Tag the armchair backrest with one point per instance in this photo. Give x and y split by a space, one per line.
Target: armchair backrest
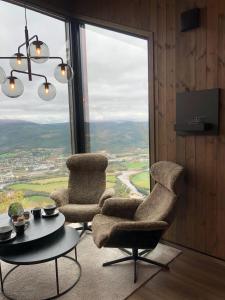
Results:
87 178
160 204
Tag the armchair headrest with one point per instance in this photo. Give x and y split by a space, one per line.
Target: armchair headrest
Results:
166 173
87 162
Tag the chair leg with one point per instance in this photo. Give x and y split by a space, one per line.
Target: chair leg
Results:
84 228
135 256
126 251
89 228
135 271
112 262
144 252
153 262
80 228
82 232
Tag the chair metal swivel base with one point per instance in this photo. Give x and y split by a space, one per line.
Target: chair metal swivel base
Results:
84 228
134 256
141 253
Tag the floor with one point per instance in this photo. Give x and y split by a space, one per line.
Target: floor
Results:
192 276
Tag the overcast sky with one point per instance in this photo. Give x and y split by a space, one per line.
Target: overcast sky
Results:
116 71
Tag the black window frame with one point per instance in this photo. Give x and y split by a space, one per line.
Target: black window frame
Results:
80 138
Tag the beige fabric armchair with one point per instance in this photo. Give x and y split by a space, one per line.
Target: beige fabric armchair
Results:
86 193
139 224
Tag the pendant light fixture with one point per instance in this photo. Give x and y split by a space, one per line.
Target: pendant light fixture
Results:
38 52
47 91
2 75
63 73
12 87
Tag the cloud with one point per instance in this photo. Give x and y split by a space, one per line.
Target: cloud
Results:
117 67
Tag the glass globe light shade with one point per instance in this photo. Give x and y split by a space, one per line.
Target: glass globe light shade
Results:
12 87
39 49
47 91
18 63
63 73
2 75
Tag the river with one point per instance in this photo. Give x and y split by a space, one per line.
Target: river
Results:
125 179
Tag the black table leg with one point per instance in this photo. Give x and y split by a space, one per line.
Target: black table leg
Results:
57 276
58 294
75 249
1 277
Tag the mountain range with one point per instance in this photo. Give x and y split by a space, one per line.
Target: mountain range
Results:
113 137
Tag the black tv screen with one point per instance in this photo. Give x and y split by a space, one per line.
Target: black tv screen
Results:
197 112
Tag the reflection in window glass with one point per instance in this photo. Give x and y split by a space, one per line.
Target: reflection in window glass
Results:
116 106
34 134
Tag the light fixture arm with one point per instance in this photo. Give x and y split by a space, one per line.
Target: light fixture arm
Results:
25 57
30 39
34 74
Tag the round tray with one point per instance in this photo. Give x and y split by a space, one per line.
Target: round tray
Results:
37 228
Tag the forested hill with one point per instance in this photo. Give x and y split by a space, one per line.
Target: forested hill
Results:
113 137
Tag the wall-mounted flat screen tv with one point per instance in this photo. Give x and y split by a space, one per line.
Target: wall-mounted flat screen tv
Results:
197 113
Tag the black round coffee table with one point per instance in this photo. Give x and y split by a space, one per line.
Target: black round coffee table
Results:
46 248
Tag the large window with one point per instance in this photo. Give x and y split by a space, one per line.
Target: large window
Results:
115 79
34 134
112 106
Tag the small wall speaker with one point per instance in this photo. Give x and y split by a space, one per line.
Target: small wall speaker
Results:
190 19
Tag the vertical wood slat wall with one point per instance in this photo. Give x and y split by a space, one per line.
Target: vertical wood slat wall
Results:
183 61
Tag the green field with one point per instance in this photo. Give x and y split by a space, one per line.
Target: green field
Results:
141 181
48 185
8 155
29 202
35 193
50 180
110 181
33 201
137 165
43 185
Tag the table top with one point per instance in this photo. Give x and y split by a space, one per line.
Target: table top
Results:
52 247
37 229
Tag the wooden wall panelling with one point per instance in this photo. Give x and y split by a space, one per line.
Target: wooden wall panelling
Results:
190 81
161 67
181 65
153 28
221 140
170 99
211 142
199 238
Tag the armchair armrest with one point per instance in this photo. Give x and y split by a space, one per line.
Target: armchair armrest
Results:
140 226
109 193
60 197
121 207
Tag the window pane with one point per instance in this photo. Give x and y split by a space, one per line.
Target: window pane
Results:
115 68
34 134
